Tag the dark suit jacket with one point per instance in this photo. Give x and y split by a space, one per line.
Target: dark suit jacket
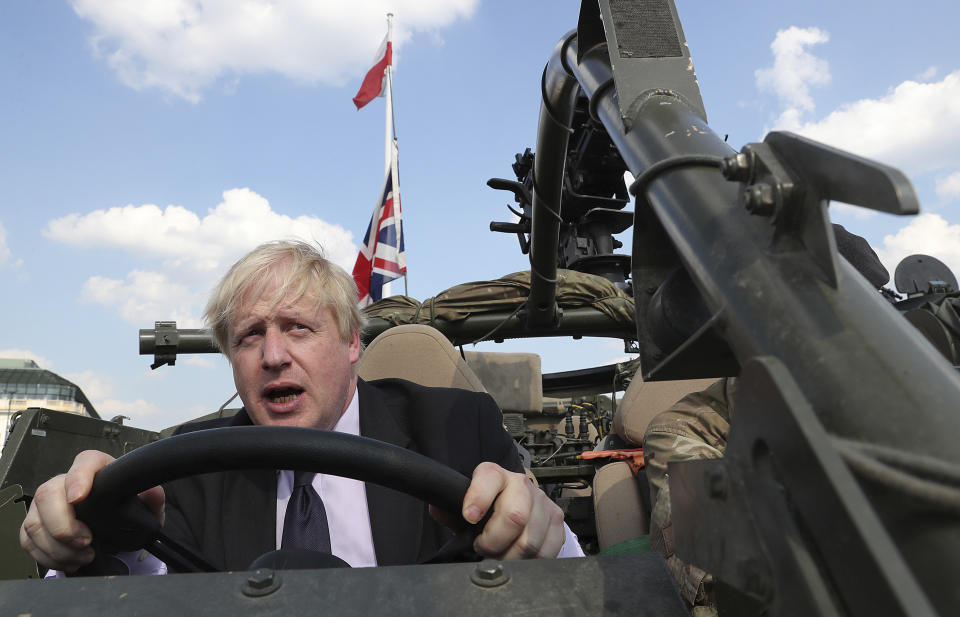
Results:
230 517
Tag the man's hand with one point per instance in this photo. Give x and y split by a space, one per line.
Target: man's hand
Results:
525 524
51 533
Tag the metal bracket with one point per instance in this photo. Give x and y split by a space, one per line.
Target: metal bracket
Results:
647 46
167 343
792 179
782 518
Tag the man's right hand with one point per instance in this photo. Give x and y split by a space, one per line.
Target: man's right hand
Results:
51 533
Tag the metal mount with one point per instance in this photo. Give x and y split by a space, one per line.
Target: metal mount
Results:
167 342
792 179
782 519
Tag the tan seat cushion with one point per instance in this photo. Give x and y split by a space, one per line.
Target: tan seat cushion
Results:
645 399
420 354
616 501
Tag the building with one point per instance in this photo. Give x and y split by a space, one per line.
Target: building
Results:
23 384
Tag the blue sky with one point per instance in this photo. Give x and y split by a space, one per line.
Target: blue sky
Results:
144 146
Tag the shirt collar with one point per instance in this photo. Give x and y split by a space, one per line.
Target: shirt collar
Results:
349 422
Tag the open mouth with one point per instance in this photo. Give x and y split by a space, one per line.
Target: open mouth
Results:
283 395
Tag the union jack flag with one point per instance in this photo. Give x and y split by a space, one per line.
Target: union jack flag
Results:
381 257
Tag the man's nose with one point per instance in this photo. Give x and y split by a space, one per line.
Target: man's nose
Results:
275 352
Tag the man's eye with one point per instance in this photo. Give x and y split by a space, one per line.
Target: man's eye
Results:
299 326
253 332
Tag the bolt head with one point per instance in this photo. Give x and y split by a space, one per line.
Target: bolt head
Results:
260 579
737 167
489 573
489 570
262 582
759 199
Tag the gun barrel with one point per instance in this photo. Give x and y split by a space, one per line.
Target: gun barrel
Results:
184 340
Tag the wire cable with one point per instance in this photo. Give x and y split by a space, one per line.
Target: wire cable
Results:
501 324
857 456
688 160
546 104
928 467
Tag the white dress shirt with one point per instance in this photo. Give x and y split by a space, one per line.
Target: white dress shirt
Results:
344 499
348 515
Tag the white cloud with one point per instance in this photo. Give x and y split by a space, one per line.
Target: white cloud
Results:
928 234
913 127
146 297
928 74
185 46
23 354
240 222
794 71
93 385
949 186
100 391
193 250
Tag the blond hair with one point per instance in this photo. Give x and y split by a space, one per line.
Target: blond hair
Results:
295 270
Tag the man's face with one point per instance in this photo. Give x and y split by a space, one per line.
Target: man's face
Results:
289 364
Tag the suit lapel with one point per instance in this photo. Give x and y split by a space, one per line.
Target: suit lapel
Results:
249 523
390 510
250 510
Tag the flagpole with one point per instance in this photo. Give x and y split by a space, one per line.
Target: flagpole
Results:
388 130
388 133
391 141
398 205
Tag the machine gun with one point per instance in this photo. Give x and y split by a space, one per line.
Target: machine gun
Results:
838 492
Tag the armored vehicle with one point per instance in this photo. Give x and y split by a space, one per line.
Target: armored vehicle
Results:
838 493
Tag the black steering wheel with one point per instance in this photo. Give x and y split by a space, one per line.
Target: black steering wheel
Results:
121 522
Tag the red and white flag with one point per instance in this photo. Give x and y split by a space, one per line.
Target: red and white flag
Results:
374 84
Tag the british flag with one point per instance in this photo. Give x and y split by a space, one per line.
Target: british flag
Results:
381 257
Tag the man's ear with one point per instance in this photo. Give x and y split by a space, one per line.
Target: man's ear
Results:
355 347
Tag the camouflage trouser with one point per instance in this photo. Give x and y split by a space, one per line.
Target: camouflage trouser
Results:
695 427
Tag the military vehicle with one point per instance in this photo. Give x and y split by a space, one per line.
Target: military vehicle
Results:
838 493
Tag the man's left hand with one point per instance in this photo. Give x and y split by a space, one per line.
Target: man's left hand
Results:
525 524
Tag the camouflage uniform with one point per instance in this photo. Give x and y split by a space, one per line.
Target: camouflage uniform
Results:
695 427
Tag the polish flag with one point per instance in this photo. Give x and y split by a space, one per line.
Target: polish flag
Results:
374 84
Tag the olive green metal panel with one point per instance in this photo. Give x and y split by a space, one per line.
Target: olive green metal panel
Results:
14 563
44 442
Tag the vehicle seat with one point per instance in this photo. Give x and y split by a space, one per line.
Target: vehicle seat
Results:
643 400
420 354
423 355
621 500
514 380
